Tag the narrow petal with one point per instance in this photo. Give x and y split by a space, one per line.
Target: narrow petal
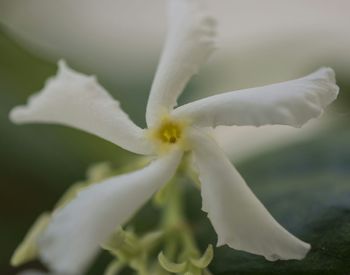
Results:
73 237
288 103
77 100
189 42
239 218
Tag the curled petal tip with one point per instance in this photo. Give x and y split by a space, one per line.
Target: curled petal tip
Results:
62 63
64 70
299 255
17 115
63 67
304 251
326 73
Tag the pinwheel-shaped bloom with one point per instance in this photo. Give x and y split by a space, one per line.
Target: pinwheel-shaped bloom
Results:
75 232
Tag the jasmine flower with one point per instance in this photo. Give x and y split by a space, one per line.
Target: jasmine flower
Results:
74 234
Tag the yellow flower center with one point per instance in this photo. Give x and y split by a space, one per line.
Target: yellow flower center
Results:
169 132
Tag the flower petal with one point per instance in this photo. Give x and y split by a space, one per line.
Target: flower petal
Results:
288 103
189 42
77 100
239 218
73 237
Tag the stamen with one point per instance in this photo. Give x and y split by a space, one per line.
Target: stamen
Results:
169 132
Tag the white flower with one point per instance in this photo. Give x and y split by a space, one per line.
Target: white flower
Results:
75 232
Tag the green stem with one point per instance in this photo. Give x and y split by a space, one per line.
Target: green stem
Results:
175 224
172 219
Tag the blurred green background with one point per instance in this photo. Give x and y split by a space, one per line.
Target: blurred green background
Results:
304 184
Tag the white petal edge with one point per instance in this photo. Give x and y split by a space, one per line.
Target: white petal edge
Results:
77 100
73 237
189 42
287 103
238 217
